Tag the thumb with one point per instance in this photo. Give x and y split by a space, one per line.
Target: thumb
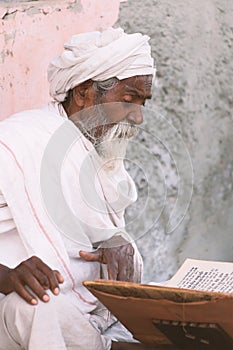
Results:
95 256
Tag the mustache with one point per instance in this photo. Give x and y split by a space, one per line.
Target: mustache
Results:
122 130
90 121
110 132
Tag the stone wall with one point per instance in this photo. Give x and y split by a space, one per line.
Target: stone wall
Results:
192 45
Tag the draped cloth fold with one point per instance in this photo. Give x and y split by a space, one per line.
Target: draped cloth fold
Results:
23 141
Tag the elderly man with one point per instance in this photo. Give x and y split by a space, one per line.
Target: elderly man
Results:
98 85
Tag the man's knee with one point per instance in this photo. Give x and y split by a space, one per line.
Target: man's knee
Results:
19 317
16 308
13 305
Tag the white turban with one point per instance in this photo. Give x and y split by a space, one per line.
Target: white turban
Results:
99 56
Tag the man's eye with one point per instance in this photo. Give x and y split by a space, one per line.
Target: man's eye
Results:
128 99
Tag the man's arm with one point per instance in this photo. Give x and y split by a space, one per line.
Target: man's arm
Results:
32 273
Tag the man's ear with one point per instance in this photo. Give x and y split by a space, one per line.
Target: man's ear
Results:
80 93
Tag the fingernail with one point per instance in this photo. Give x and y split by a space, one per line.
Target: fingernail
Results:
45 297
34 301
62 279
56 291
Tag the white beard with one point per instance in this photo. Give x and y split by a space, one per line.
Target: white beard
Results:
112 146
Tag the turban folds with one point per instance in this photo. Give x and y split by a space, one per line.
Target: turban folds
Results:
99 56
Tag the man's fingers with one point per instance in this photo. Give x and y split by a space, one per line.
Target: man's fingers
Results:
126 271
119 260
126 264
95 256
53 280
42 278
35 286
112 268
53 277
59 276
24 293
35 274
31 278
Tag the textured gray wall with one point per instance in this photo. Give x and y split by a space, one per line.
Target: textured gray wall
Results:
192 45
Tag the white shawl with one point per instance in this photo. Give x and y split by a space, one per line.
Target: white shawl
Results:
23 140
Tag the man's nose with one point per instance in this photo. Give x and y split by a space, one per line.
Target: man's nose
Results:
135 116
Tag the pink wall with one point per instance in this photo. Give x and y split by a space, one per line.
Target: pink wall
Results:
34 32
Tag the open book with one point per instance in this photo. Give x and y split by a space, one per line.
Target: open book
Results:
194 310
203 275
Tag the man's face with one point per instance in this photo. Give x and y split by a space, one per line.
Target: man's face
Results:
132 93
121 103
110 117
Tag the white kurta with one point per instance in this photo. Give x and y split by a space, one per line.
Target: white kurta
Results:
26 227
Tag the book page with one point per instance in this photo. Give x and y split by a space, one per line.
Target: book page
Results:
212 276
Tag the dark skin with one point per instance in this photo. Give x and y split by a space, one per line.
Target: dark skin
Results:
33 272
133 91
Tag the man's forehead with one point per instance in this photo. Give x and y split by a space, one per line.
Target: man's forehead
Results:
138 80
139 84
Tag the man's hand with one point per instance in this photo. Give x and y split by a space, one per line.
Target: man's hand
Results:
118 254
36 275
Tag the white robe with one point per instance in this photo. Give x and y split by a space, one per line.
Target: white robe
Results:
24 138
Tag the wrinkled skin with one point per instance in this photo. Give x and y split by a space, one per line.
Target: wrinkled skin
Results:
118 254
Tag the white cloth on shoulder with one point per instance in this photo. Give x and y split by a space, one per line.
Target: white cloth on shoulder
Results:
25 223
23 140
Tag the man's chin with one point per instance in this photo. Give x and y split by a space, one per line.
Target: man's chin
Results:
111 166
112 153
